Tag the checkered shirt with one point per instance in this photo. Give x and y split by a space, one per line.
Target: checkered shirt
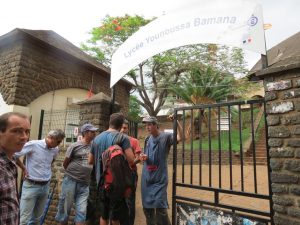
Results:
9 203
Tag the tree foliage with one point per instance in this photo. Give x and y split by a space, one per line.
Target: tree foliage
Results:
204 86
134 109
154 77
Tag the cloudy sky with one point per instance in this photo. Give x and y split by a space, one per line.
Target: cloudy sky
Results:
73 19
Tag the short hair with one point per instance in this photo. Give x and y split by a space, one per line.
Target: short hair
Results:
5 117
57 133
126 122
116 121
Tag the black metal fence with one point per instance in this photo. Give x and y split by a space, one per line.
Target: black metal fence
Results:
222 165
67 120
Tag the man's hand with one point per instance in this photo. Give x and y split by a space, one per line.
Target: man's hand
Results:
25 174
171 117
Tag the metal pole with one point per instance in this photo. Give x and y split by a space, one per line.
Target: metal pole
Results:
112 99
41 124
264 58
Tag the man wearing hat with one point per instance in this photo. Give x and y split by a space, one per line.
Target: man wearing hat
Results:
155 172
75 185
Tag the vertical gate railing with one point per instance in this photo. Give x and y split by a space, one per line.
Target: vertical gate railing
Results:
66 120
223 163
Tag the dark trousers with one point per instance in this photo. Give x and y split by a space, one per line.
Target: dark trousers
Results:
131 202
157 216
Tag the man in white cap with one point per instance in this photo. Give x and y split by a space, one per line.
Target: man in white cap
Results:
75 185
155 172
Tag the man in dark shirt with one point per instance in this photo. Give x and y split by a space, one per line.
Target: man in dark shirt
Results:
113 210
75 185
14 133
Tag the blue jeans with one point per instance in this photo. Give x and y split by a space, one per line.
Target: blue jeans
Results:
71 191
33 200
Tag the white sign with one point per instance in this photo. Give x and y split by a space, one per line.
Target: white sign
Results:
224 123
75 131
236 23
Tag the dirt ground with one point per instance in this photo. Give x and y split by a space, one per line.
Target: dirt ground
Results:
262 187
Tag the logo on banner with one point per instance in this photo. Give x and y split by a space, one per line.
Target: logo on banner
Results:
252 21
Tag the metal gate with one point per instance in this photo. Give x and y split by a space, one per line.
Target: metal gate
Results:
221 170
67 120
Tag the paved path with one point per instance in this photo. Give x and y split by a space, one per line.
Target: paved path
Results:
262 187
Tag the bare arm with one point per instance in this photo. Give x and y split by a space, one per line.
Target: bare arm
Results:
66 162
179 132
22 166
180 135
129 156
91 159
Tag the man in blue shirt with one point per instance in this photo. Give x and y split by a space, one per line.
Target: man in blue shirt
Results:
40 155
111 209
155 173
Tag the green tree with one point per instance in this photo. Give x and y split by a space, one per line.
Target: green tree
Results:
204 86
153 77
134 109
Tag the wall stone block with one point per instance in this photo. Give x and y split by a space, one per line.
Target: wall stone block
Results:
276 164
297 83
296 130
279 85
291 94
295 189
282 152
275 142
284 178
291 119
271 95
293 211
284 201
284 220
293 142
292 165
297 105
273 120
279 189
278 131
280 209
297 152
279 107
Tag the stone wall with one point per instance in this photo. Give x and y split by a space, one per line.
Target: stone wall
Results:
283 118
9 68
29 69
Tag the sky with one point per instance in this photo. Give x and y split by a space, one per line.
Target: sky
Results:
73 19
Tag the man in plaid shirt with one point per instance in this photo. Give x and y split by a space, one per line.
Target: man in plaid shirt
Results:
14 133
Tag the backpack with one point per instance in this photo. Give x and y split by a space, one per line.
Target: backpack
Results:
116 177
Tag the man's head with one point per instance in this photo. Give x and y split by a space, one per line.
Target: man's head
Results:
54 138
116 121
125 127
151 124
88 131
14 132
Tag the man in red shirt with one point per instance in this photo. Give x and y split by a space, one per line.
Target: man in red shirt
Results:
135 145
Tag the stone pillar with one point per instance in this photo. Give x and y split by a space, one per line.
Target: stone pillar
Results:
282 92
95 110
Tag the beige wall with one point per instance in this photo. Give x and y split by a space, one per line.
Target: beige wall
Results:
54 100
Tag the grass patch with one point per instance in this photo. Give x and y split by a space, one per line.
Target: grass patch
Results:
224 142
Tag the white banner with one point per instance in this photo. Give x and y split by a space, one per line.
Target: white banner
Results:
239 24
